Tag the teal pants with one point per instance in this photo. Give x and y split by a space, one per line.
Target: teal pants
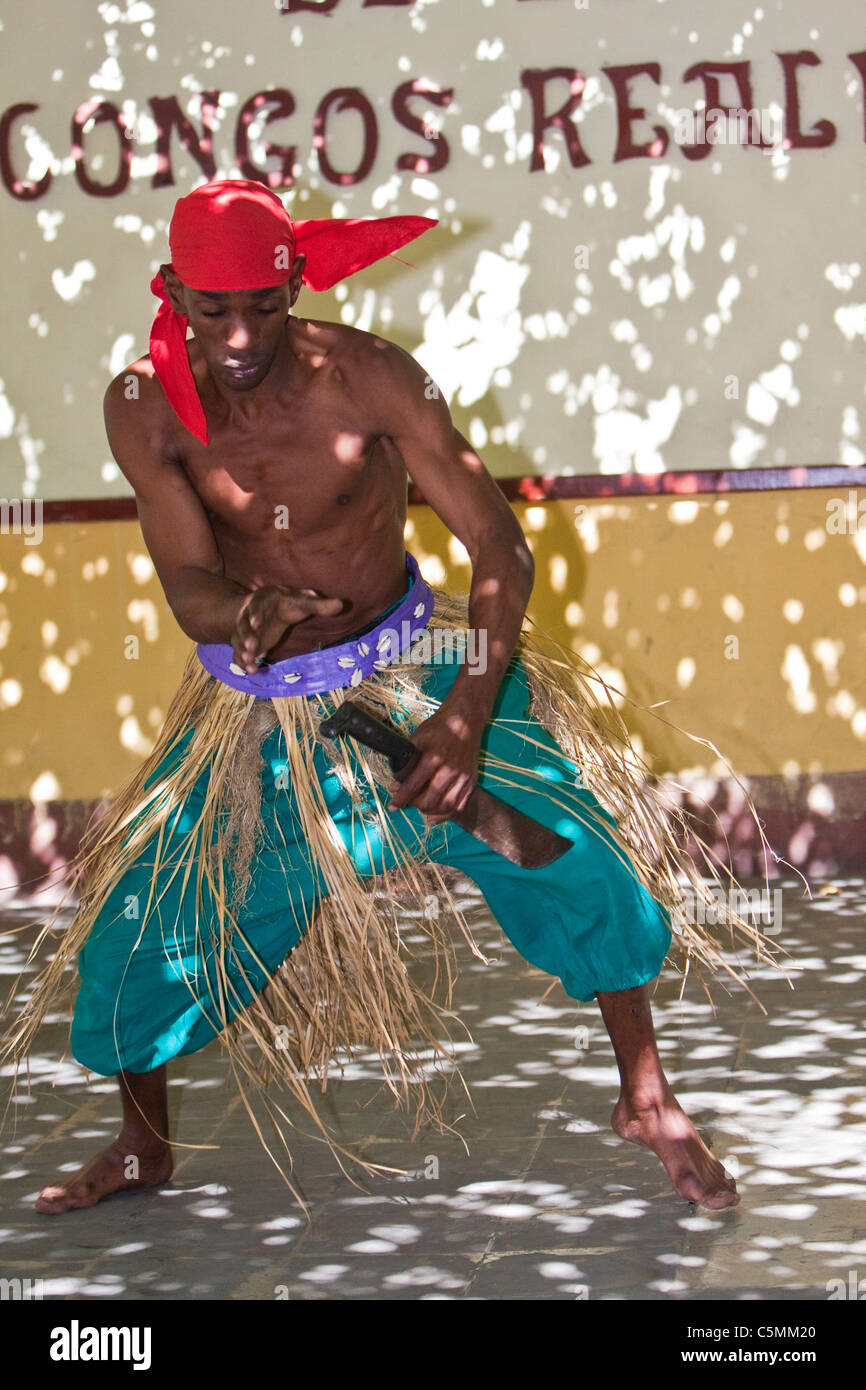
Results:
147 985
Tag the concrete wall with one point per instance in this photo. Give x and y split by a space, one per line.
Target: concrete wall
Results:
601 295
742 613
598 298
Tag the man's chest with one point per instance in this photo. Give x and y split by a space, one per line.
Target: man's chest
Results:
299 474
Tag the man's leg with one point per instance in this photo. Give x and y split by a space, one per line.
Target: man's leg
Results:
648 1112
586 919
558 919
139 1157
158 981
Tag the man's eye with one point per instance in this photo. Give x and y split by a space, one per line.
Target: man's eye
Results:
218 313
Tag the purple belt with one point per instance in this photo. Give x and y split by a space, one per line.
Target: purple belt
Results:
329 668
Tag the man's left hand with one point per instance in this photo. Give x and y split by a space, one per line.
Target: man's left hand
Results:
445 775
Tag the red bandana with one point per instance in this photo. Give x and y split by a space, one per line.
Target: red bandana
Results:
236 234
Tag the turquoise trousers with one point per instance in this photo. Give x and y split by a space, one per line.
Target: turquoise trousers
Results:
147 983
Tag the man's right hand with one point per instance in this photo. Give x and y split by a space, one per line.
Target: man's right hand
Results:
266 615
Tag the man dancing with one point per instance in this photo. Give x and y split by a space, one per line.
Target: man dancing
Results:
269 457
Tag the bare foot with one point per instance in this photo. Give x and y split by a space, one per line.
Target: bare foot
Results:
663 1126
119 1168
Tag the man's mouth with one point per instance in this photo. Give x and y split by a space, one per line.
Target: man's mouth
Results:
242 370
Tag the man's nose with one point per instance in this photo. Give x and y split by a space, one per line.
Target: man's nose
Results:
239 335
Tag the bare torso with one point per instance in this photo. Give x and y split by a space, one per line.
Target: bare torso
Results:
309 493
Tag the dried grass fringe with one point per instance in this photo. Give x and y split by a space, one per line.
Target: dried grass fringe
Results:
347 986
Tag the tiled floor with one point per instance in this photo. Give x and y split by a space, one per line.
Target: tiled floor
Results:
546 1204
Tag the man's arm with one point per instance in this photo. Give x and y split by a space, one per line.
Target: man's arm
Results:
463 494
460 490
173 521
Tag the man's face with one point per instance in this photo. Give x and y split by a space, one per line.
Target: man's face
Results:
239 332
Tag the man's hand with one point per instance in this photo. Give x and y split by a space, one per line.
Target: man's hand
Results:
445 775
266 615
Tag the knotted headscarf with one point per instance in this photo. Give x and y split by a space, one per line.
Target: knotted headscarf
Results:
235 234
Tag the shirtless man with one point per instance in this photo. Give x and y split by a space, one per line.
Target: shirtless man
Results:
327 421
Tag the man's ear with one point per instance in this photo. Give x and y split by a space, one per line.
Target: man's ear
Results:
295 283
173 288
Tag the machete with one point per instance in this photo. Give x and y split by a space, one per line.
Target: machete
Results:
505 829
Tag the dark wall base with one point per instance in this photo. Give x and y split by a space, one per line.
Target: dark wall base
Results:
816 823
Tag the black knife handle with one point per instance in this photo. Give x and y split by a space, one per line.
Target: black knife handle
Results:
356 721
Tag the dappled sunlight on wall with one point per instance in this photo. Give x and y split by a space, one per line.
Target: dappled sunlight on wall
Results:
729 610
599 295
90 657
742 613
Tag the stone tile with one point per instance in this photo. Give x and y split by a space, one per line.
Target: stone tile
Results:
547 1203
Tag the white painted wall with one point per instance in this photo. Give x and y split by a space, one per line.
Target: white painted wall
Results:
715 319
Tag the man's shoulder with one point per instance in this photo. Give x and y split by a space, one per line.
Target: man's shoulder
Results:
370 363
136 381
349 345
135 404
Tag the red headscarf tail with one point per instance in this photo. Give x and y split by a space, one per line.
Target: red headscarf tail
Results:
339 246
235 234
169 357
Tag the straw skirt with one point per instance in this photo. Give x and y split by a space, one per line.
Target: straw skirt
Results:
249 883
